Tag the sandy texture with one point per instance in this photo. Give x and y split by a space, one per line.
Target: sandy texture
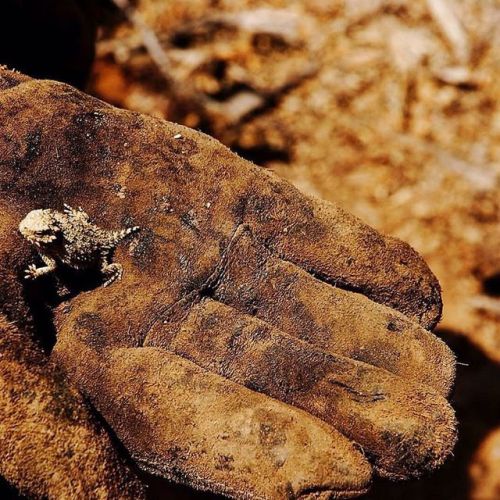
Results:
484 470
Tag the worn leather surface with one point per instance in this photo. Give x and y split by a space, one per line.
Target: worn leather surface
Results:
262 344
50 444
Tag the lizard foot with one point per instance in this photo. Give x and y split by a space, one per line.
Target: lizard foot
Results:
31 272
112 272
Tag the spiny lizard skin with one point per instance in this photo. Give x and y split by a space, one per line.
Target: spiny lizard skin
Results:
69 238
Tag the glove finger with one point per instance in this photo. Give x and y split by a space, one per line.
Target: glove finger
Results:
338 248
406 428
186 424
337 321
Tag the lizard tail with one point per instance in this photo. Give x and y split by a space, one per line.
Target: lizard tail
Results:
124 233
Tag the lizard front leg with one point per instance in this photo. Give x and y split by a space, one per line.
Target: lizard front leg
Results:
32 272
111 272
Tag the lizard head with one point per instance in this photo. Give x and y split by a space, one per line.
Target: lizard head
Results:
40 227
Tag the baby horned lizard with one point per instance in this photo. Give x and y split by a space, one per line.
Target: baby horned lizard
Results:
69 238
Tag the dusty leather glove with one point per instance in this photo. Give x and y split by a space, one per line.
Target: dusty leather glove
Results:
261 344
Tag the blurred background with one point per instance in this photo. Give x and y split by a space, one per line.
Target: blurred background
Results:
390 108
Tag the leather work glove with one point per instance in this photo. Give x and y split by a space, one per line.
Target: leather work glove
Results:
260 344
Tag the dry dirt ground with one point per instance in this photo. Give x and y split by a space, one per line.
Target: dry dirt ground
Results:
390 108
